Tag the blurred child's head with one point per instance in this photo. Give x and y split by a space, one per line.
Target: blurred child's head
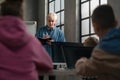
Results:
90 42
12 8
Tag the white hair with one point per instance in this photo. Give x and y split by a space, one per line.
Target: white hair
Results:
52 15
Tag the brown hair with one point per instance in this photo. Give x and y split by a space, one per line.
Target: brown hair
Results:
12 7
104 16
90 42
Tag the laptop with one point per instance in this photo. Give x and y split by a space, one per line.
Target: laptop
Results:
57 50
58 54
73 53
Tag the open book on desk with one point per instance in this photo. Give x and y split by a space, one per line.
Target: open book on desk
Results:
44 40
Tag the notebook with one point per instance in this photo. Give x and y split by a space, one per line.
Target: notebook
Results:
43 41
73 53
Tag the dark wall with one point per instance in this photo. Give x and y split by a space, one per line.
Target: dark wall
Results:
116 7
35 10
31 10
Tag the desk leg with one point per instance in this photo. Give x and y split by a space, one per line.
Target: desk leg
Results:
41 77
52 78
46 77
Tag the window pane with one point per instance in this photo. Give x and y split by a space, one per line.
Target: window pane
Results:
94 4
58 19
62 28
103 1
62 4
85 10
85 27
51 7
92 29
62 17
83 0
57 5
50 0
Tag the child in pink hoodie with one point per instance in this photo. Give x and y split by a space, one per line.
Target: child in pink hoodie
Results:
21 54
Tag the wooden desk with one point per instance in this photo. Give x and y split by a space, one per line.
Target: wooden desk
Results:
60 73
65 75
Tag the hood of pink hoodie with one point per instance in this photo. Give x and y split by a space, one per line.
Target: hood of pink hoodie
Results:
13 32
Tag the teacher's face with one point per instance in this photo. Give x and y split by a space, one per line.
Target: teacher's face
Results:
51 22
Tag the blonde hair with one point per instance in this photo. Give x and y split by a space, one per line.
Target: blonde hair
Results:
90 42
52 15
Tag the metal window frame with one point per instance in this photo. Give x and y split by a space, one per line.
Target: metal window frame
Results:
81 19
60 11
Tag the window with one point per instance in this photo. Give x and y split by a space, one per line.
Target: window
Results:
58 7
87 7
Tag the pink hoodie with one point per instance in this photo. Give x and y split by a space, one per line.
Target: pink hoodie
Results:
21 54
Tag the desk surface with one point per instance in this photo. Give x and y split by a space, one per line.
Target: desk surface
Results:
60 72
68 73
